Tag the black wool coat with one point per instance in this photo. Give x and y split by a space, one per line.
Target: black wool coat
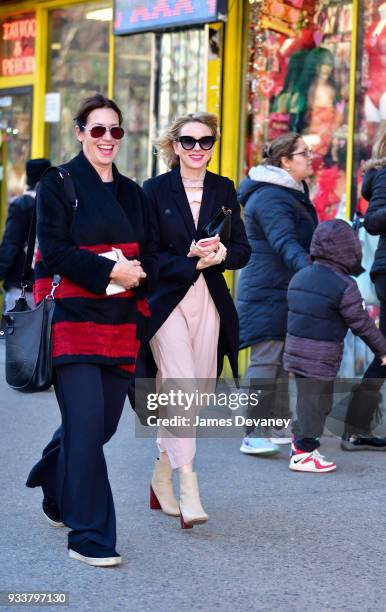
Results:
90 326
374 191
280 222
175 230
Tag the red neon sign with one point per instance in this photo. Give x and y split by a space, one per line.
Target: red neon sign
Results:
17 46
16 30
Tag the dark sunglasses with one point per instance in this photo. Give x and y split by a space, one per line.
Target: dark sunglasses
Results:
188 142
97 131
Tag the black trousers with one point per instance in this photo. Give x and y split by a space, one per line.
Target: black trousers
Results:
366 399
314 403
72 471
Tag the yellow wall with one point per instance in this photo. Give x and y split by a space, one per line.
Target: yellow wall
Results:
39 80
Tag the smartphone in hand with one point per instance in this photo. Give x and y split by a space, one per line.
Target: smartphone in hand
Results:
205 242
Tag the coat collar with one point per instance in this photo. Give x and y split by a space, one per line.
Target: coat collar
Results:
83 168
207 204
83 172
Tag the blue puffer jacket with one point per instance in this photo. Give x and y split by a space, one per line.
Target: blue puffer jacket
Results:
280 221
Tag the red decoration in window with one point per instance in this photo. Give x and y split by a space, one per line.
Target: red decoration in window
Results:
17 51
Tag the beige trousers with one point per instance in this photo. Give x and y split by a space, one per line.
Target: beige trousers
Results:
185 350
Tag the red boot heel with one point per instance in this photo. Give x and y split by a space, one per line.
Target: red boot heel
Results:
154 503
183 524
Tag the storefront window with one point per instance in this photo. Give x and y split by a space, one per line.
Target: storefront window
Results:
15 128
298 80
79 67
182 62
132 91
157 77
371 86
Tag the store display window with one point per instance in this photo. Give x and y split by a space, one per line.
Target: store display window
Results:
182 60
133 81
371 90
79 62
157 77
298 80
15 127
181 88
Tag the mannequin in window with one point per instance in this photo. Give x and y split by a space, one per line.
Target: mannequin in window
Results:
289 102
375 99
319 95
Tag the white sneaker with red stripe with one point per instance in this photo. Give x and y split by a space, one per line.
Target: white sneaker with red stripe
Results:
310 462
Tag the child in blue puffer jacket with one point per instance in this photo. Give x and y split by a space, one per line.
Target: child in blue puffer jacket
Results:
324 302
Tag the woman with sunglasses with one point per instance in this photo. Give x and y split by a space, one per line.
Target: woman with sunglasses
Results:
280 221
104 253
194 321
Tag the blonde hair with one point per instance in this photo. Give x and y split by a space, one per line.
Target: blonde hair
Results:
164 143
378 159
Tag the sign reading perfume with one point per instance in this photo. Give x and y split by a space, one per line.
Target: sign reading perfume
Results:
131 16
17 45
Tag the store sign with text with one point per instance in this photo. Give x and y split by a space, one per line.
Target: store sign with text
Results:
17 45
131 16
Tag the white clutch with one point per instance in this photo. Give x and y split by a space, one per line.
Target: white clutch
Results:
112 288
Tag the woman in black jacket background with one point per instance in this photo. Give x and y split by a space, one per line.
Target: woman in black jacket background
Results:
280 220
15 237
364 408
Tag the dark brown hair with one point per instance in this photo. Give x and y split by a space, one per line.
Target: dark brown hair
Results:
282 146
93 102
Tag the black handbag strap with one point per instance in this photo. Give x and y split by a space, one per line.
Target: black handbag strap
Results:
69 190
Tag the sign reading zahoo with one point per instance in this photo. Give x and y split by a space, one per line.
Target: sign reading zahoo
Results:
131 16
17 45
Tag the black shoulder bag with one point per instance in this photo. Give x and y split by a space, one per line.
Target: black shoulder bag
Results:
28 352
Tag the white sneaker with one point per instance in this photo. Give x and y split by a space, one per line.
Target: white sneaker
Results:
94 554
258 446
310 462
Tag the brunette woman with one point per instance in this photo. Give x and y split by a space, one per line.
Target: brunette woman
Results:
96 324
280 221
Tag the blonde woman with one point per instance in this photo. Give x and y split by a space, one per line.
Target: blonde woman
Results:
194 321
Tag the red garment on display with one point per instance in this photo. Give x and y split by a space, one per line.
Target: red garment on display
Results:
375 43
287 47
323 122
326 200
278 124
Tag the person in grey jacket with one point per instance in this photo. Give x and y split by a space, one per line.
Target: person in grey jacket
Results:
324 302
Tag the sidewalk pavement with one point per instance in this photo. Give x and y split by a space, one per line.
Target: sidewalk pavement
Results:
276 541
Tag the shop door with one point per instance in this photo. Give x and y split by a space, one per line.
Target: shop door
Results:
16 128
